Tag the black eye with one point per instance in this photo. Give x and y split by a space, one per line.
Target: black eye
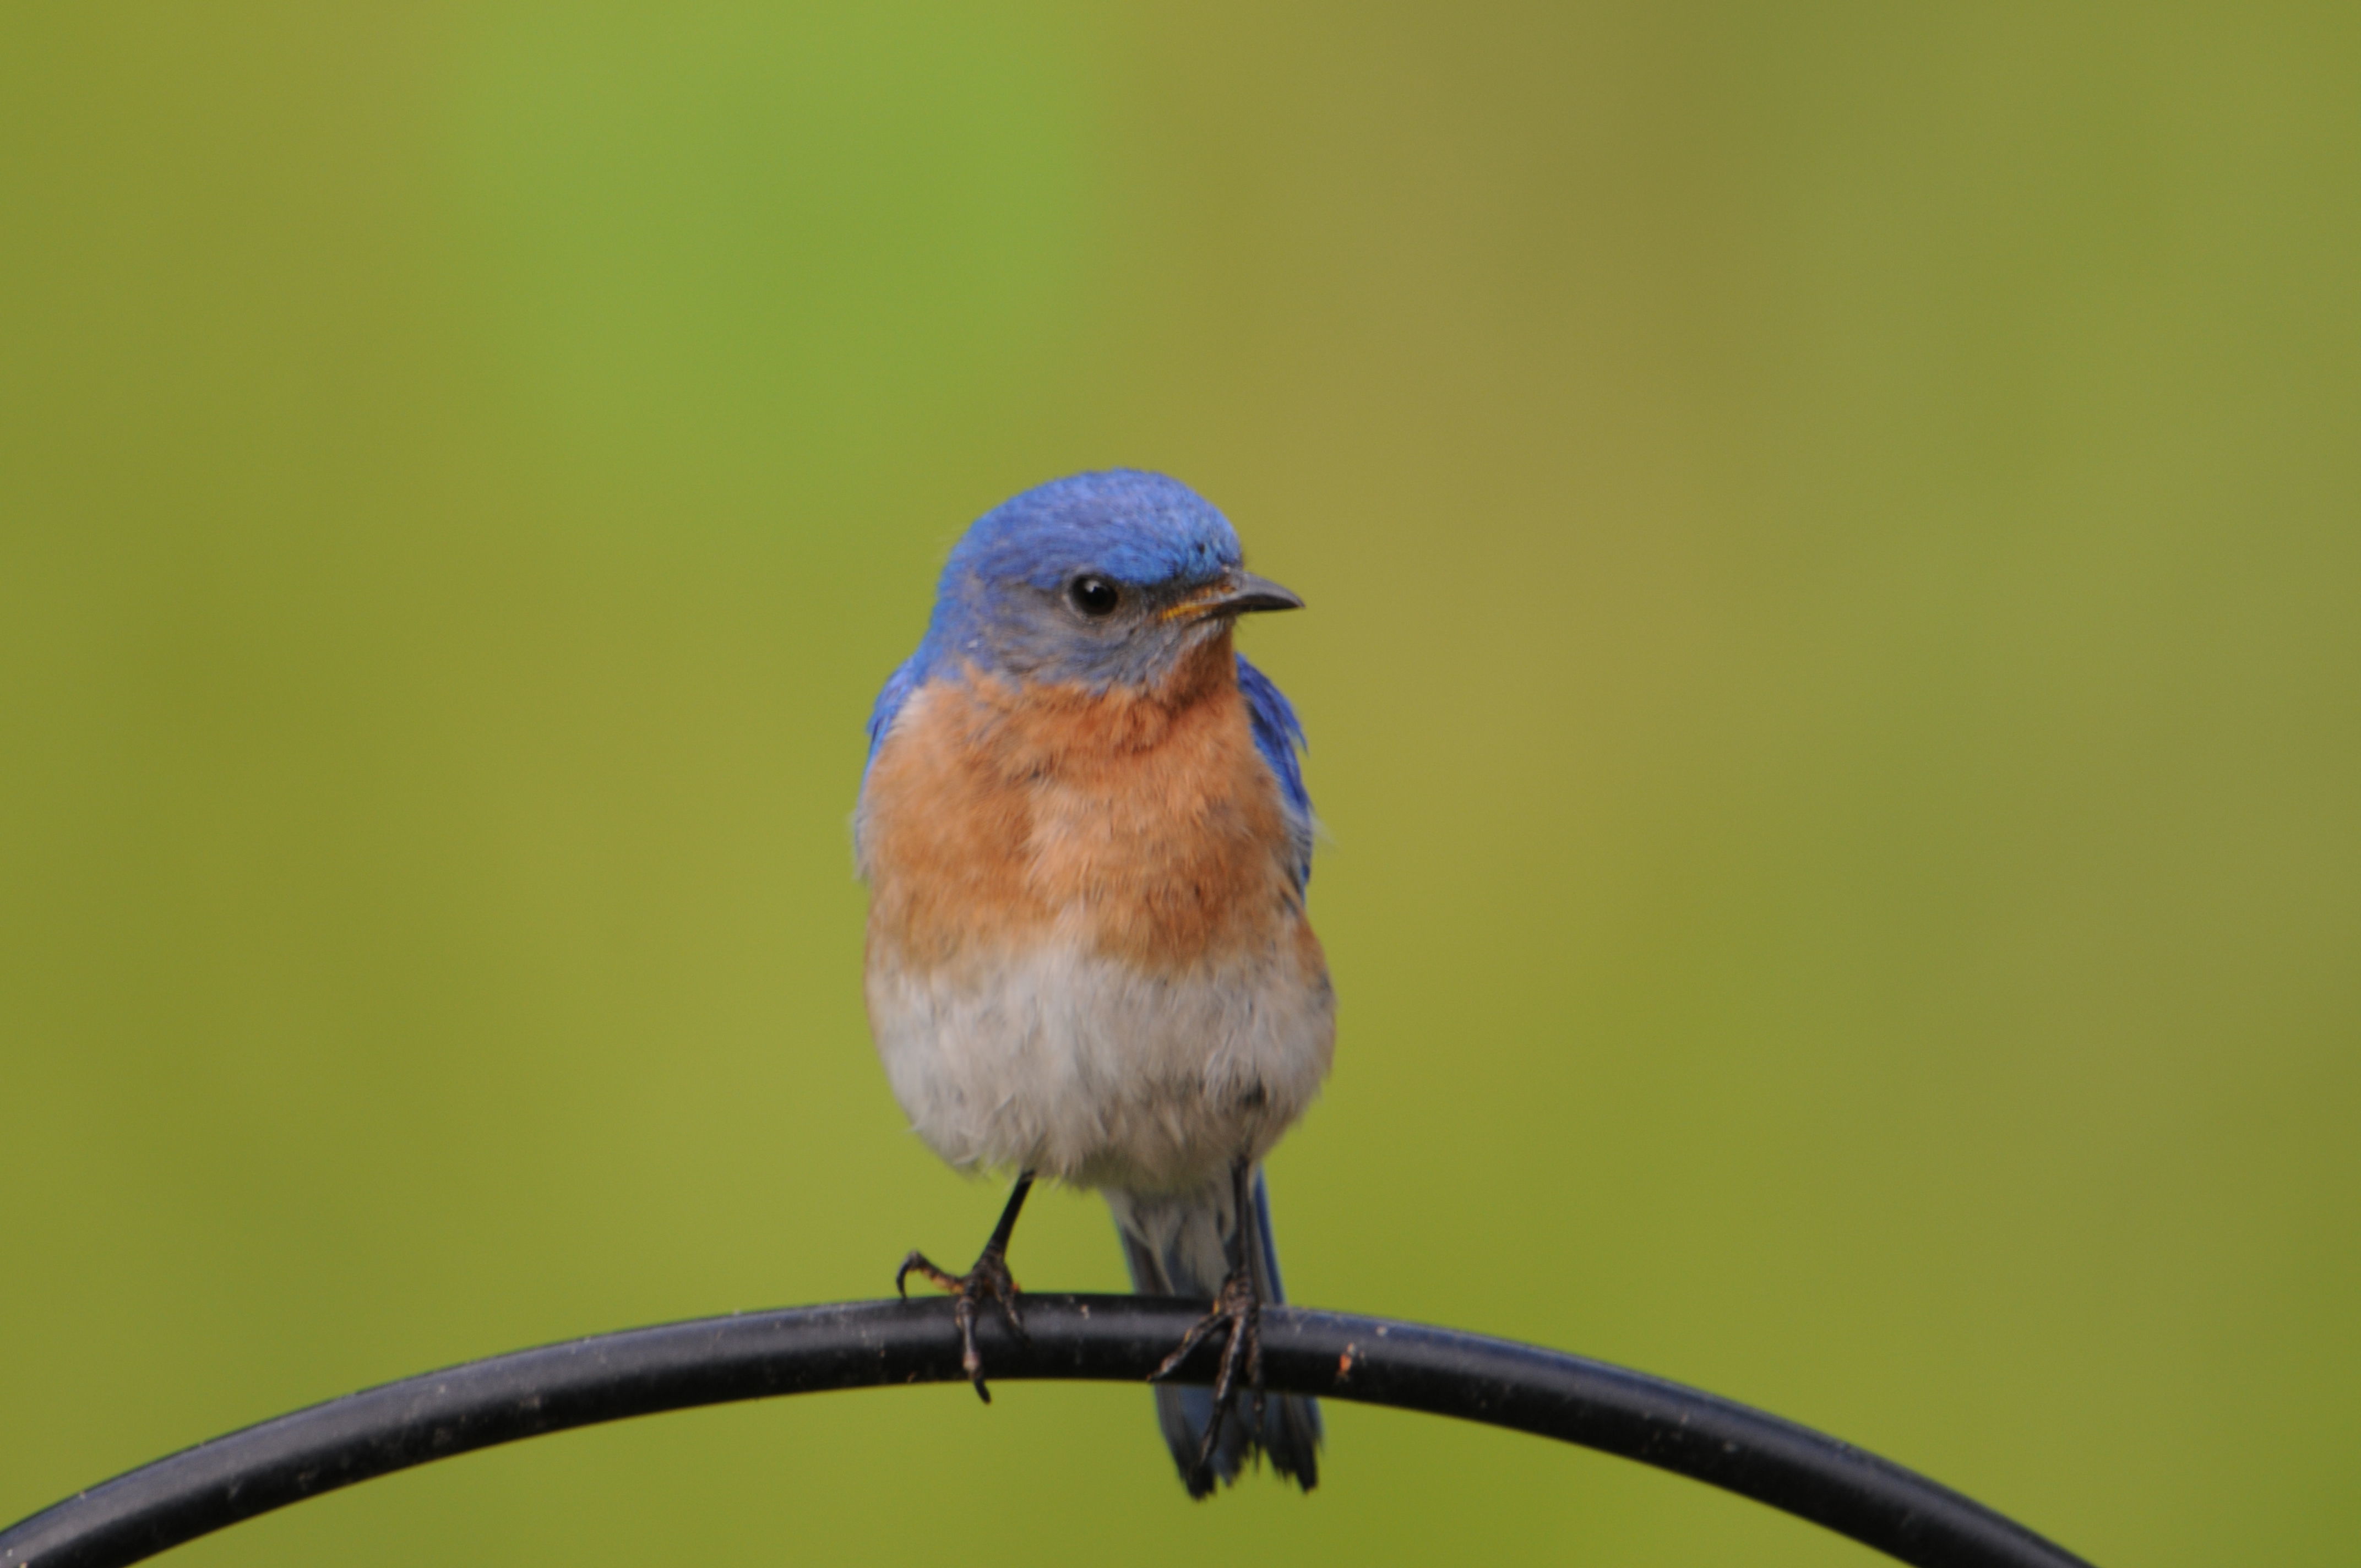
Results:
1094 597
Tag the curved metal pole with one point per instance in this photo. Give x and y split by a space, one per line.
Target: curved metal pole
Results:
1110 1338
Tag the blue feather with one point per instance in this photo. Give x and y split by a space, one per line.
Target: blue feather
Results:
1135 527
1279 736
895 692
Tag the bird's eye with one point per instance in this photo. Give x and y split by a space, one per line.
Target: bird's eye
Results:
1094 597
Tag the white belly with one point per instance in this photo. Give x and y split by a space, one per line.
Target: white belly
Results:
1082 1068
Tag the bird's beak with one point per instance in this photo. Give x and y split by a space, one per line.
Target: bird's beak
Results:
1240 593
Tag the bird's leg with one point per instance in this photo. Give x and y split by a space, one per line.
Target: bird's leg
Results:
989 1279
1237 1308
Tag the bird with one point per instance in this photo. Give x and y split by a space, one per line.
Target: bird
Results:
1087 840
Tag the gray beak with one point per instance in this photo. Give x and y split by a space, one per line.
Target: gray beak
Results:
1241 593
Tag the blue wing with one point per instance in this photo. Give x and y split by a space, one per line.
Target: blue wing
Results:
1279 736
897 690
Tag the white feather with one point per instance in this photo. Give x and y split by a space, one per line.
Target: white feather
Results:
1081 1066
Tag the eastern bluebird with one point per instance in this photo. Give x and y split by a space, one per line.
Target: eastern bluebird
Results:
1086 837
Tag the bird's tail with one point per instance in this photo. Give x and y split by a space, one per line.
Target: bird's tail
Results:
1179 1246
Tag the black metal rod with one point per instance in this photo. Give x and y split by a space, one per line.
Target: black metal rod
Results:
1109 1338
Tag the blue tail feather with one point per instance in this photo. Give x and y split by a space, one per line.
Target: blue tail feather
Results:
1179 1247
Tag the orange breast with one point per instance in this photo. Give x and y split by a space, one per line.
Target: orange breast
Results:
1144 825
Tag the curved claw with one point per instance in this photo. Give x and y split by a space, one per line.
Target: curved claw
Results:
988 1277
1238 1309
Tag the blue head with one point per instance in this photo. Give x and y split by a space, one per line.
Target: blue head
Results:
1099 580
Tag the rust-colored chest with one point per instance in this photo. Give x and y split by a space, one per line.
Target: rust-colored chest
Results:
1144 825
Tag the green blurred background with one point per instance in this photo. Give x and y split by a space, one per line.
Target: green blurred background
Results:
1834 539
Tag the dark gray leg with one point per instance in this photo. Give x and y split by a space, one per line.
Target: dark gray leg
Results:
989 1279
1237 1308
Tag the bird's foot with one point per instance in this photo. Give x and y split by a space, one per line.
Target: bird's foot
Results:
988 1280
1238 1309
